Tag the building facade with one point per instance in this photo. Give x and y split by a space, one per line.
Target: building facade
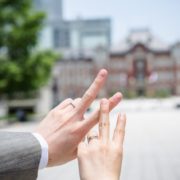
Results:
71 37
75 36
141 64
53 9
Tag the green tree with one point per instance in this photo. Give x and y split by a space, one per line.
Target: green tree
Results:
22 68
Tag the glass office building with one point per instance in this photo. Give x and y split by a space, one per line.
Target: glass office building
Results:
70 36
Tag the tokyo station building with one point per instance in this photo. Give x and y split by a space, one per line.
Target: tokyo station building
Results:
141 64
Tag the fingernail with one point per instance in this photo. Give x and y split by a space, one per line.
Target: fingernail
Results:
104 101
103 72
118 95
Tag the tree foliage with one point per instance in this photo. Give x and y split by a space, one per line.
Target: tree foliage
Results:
22 68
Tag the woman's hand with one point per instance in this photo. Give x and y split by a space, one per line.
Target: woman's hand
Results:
63 128
101 158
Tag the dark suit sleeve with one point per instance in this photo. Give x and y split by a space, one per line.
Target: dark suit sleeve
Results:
20 155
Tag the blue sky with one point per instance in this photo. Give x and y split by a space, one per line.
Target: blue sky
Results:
162 17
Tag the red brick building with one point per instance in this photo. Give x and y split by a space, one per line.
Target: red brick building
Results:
141 64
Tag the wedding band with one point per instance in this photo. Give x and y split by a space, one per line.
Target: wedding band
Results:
72 105
92 137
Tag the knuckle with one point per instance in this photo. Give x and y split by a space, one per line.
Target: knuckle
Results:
68 100
76 131
73 116
103 124
118 149
81 153
120 131
78 99
94 149
88 96
104 147
56 113
77 112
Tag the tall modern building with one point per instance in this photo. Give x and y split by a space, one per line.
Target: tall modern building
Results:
82 33
52 8
72 36
54 16
77 37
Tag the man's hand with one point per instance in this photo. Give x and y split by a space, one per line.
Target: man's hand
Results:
64 128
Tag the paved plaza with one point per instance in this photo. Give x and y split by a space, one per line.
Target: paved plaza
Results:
152 143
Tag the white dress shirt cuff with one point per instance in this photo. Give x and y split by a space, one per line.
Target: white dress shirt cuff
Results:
44 151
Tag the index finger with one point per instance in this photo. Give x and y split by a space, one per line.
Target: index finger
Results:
92 92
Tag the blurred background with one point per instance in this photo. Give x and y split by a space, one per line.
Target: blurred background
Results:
51 50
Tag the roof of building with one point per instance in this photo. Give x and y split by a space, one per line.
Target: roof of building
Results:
141 36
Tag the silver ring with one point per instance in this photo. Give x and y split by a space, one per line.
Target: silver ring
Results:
72 105
92 137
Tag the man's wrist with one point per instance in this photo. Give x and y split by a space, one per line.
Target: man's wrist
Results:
44 150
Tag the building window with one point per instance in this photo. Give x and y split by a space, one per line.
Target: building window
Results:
140 69
56 38
64 38
61 38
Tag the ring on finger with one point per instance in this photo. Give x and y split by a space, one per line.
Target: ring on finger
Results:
71 103
89 138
